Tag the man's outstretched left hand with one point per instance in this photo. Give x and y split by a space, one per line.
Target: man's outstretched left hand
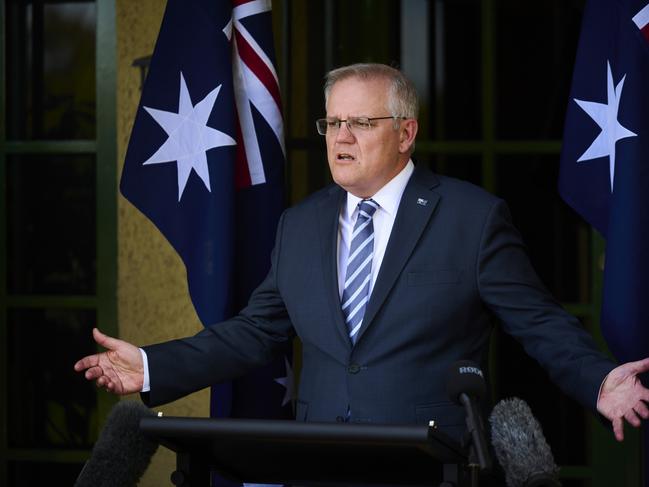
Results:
623 396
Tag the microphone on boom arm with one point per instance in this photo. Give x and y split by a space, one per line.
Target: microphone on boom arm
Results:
466 386
122 453
520 446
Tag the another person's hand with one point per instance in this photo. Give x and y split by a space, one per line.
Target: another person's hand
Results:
119 369
624 397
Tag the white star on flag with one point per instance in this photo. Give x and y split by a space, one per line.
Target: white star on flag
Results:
287 382
605 115
189 136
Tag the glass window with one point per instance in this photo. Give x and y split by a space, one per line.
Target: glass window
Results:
557 239
465 167
535 55
50 73
41 473
459 89
366 31
51 229
50 405
576 483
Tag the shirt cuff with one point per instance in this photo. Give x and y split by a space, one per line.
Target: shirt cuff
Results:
599 393
146 386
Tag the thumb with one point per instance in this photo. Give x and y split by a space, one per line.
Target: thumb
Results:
642 365
104 340
638 367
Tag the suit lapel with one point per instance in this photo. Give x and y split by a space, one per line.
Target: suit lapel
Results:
417 205
328 221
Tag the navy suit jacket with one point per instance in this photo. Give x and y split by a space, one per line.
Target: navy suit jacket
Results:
453 263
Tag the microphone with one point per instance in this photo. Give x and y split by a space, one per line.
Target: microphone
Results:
520 446
122 453
465 385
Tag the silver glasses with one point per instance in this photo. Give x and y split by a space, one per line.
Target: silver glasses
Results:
332 125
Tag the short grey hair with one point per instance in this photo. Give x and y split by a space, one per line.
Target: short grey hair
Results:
402 95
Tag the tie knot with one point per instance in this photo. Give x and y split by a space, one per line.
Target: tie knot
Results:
367 208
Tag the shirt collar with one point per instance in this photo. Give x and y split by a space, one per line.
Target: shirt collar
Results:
389 196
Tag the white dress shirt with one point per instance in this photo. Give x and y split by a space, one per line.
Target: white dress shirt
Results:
388 199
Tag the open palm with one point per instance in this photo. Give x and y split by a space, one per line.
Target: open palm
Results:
623 397
119 369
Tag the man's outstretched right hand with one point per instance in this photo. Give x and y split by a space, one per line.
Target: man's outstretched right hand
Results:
119 369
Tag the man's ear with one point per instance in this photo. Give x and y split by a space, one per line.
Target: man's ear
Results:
407 134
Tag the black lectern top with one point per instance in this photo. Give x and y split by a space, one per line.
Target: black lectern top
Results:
274 451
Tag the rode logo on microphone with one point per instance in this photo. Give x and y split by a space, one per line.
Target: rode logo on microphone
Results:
471 370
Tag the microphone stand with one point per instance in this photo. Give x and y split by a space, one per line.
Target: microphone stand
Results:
479 457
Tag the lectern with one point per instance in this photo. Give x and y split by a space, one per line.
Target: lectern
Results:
308 454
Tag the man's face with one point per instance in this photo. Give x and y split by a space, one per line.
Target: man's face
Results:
363 161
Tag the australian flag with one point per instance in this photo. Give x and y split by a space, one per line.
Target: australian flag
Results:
205 164
605 161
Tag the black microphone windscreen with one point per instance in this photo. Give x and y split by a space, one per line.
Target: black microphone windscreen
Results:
122 453
464 376
520 446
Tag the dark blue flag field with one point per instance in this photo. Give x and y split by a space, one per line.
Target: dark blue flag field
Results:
605 163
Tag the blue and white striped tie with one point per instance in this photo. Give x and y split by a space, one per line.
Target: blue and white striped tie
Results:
359 268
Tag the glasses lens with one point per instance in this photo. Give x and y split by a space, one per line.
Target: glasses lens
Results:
325 125
362 123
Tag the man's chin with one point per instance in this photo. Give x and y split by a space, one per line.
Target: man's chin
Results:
345 181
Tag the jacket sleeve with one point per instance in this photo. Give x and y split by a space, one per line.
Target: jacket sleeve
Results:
226 350
511 289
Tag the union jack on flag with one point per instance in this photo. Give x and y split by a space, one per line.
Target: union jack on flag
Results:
255 84
641 20
205 164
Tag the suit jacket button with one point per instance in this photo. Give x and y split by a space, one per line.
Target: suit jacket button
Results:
354 369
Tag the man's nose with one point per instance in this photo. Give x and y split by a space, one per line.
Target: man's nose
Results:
344 133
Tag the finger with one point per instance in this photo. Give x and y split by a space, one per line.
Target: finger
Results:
632 418
640 366
641 410
618 429
644 364
86 362
104 340
644 394
94 373
108 384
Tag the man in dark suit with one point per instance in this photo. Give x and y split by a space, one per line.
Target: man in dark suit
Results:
387 277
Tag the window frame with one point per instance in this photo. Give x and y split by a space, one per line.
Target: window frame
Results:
104 301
